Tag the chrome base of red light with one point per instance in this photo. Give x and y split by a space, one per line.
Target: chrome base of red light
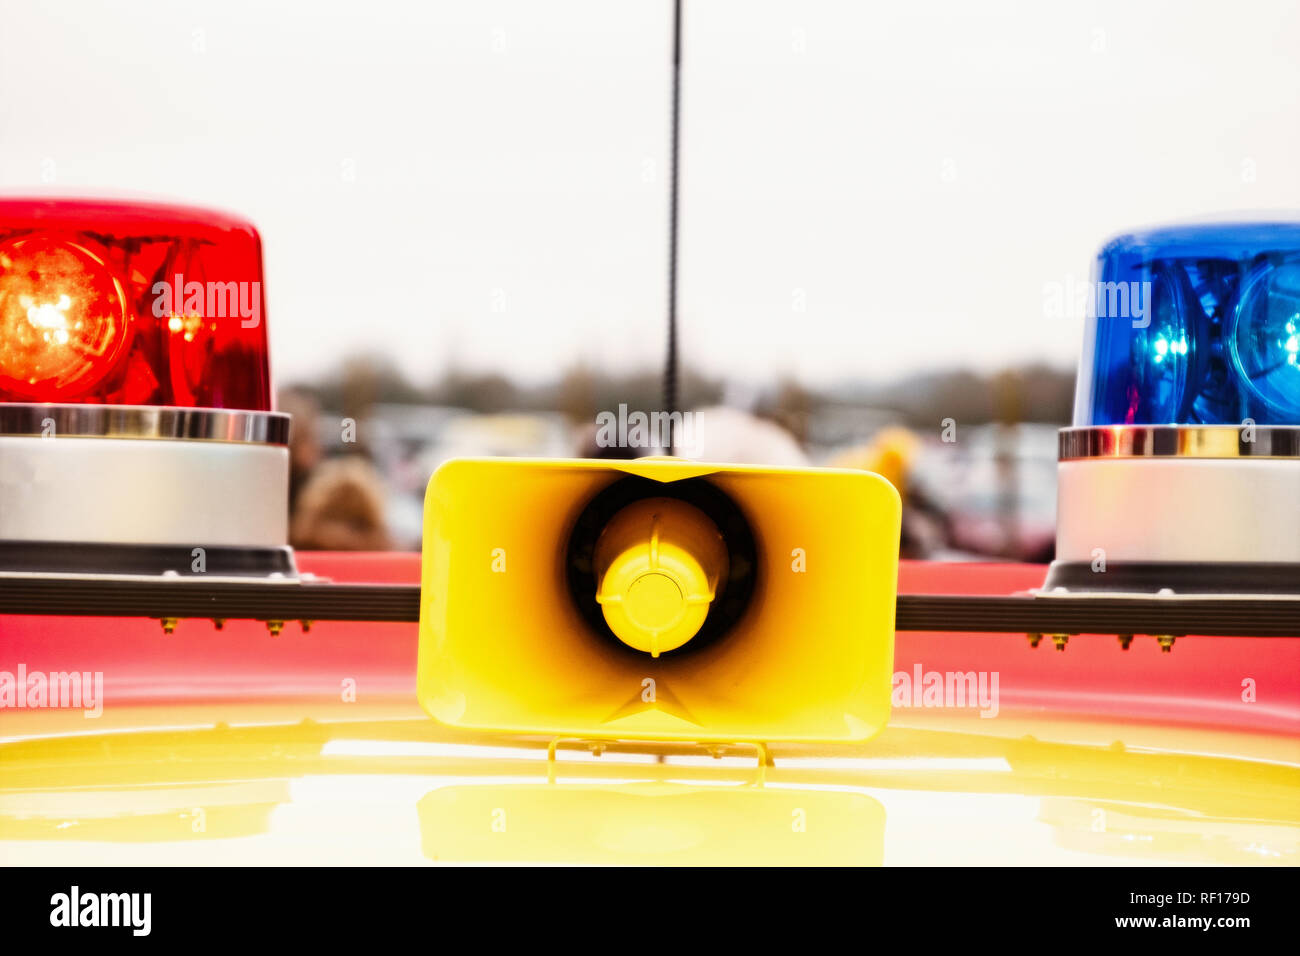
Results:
166 561
143 421
143 491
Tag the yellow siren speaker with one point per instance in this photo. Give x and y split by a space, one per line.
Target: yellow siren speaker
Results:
658 599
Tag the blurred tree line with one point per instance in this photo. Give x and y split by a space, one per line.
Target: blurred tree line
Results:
1035 393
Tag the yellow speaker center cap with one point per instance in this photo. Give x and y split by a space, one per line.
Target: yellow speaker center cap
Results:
654 602
658 563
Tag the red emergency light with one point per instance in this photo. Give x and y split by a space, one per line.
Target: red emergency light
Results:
133 334
131 304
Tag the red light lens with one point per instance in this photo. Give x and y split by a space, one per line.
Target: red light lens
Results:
63 319
131 304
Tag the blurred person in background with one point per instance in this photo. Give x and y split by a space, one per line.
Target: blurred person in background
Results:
341 508
892 455
304 442
732 436
714 434
335 504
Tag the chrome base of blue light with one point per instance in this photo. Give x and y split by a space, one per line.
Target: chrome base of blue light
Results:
1179 441
1186 509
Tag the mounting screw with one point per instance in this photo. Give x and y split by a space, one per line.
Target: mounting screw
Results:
1166 642
1124 641
1060 640
1034 639
275 627
168 624
219 623
306 626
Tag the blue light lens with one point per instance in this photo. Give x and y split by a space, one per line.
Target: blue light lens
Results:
1265 339
1194 325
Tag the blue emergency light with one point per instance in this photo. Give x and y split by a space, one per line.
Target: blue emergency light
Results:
1181 474
1194 325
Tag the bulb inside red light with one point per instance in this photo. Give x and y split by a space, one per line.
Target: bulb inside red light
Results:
64 320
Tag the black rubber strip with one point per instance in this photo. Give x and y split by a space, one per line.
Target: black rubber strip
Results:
1181 577
64 557
190 598
1176 616
225 600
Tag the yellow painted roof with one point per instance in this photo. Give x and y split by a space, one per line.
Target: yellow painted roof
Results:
378 782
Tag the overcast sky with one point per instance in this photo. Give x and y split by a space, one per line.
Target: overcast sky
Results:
868 189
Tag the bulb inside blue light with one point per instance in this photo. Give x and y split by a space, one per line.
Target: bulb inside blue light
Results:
1266 337
1195 325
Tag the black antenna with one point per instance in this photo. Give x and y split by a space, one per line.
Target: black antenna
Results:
670 364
